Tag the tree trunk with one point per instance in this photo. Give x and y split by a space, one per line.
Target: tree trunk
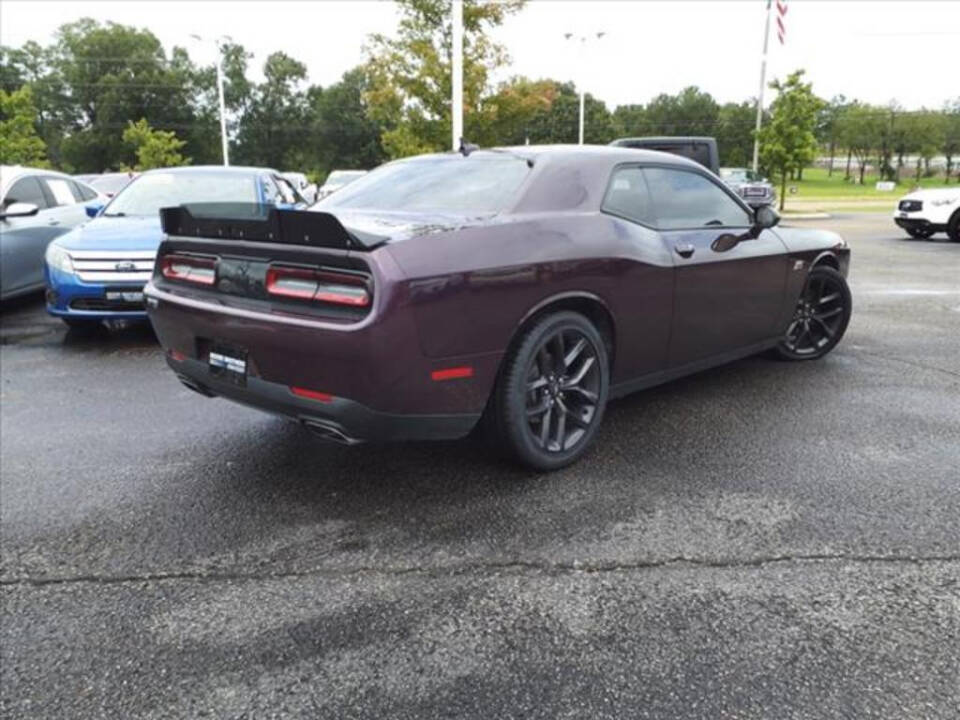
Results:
783 187
863 168
919 165
830 166
800 174
949 168
896 176
849 156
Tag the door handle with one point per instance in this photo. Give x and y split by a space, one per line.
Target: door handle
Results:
684 250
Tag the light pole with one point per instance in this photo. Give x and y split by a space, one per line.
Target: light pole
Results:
583 43
223 110
456 101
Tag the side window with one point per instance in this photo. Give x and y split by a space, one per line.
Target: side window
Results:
271 193
26 190
287 192
684 199
59 190
628 197
82 193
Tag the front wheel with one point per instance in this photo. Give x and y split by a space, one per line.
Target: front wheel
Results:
552 392
953 227
821 317
920 233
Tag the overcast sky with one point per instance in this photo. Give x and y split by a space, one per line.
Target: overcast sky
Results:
874 50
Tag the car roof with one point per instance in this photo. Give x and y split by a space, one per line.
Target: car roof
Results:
601 154
10 173
226 169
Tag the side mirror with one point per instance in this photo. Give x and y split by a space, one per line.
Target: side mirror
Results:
764 218
93 209
19 209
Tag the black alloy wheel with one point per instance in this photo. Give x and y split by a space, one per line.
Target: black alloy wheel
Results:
821 316
552 393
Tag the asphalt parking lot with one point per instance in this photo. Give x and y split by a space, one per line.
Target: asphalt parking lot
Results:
763 540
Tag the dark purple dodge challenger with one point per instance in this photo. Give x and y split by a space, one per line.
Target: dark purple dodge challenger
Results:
524 287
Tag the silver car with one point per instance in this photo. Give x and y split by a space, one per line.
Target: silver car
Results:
754 190
35 207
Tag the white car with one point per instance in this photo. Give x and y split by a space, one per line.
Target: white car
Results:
303 185
925 212
36 206
338 179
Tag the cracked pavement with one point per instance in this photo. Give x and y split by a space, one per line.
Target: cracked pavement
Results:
762 540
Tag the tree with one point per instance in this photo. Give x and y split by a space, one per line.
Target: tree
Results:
828 126
154 148
19 142
274 126
689 112
410 75
788 141
344 134
951 135
734 133
860 130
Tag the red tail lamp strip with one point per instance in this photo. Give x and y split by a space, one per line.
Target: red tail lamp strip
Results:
318 286
312 394
201 271
453 373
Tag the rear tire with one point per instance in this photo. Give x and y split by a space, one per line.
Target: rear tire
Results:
551 393
953 227
821 317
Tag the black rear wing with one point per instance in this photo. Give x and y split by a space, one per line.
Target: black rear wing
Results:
264 223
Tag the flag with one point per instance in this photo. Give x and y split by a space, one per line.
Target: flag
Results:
781 19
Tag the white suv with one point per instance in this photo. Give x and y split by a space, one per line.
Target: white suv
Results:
925 212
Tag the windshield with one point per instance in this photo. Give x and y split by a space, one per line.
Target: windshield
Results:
446 184
342 177
150 192
737 174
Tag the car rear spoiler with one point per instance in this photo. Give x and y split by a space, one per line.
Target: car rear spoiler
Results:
264 223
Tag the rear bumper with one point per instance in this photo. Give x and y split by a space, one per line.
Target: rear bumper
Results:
337 419
68 296
376 382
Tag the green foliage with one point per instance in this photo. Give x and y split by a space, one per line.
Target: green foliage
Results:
410 75
273 129
343 133
154 148
19 142
787 141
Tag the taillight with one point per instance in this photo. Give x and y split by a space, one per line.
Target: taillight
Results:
318 285
188 268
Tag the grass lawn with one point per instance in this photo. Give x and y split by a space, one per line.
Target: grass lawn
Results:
817 186
819 193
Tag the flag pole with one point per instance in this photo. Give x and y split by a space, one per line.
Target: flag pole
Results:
456 104
763 82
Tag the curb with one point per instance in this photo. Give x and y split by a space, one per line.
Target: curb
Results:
806 216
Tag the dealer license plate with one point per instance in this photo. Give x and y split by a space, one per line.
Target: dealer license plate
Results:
123 296
229 364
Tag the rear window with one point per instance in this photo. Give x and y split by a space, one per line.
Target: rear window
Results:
478 183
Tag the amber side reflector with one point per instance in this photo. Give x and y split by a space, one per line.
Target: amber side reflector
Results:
312 394
454 373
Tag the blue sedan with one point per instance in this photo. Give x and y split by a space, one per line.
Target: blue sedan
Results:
97 271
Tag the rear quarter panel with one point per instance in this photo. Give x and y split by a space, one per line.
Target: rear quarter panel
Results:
470 290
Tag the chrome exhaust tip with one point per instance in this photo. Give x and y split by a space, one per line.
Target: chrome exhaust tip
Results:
330 433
